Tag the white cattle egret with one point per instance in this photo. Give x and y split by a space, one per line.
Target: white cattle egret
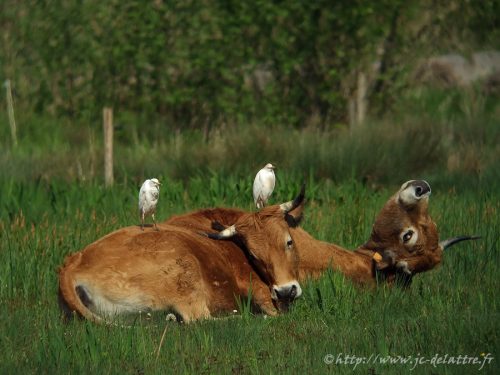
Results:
148 198
263 185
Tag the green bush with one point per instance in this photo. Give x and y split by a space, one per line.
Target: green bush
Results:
199 64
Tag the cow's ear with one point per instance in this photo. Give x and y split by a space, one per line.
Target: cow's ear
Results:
293 210
294 217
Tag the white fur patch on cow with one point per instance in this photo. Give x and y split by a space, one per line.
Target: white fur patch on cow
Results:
407 195
104 306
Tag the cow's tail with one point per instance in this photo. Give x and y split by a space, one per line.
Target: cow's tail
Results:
73 297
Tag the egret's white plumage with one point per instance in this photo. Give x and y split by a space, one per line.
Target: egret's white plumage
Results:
148 198
263 185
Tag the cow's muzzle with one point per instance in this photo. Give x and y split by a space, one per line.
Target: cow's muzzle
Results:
414 191
421 188
286 292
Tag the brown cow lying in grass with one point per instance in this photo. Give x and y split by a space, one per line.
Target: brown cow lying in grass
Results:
175 269
404 240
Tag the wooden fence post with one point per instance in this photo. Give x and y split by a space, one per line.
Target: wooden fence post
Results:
358 103
10 111
107 114
361 98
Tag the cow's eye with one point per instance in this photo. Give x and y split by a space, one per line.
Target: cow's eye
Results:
289 244
407 236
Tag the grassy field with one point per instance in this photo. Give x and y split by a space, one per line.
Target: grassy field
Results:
443 133
452 310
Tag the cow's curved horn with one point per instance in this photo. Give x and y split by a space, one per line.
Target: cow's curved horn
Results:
291 205
454 240
226 233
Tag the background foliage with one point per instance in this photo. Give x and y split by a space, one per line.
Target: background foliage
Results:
202 63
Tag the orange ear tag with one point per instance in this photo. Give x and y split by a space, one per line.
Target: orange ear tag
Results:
377 257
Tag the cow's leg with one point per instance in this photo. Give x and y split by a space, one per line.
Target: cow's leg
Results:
261 295
262 298
193 311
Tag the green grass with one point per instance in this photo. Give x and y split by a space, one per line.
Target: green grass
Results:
452 310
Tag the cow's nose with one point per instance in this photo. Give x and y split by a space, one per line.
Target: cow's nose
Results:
288 291
421 188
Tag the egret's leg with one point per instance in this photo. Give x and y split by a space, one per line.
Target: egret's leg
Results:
260 203
154 221
142 220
